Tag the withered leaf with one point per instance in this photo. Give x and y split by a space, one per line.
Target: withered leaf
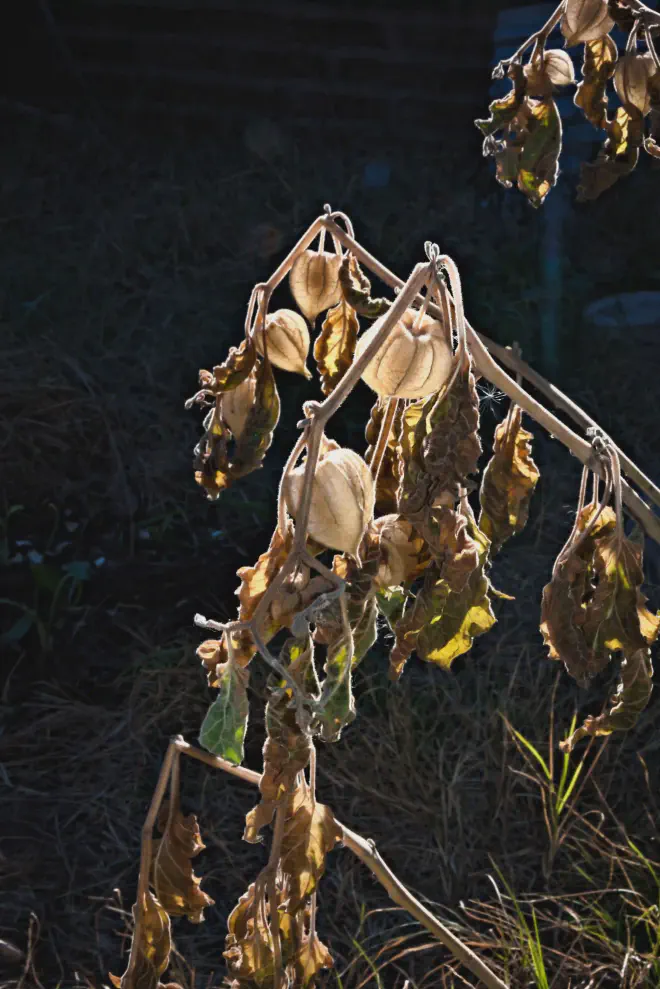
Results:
223 729
227 376
612 619
508 482
538 166
287 747
618 156
389 475
442 624
600 58
455 551
335 346
257 434
356 289
314 282
310 958
216 465
249 942
150 954
631 698
502 112
177 887
440 448
310 832
652 141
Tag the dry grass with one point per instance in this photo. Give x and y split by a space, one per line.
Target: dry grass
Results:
128 267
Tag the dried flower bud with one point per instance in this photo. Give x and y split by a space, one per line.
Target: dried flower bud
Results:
236 404
414 361
314 282
288 341
400 550
342 499
556 69
585 20
631 80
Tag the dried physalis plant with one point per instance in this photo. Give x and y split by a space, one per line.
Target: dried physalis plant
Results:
388 534
524 130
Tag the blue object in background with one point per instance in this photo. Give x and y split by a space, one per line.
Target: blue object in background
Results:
376 175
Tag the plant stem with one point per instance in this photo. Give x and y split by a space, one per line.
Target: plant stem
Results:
383 437
539 38
366 851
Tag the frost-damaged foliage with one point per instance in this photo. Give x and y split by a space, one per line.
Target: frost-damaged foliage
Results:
524 132
390 534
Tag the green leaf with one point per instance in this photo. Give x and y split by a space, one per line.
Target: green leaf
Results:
336 707
538 166
225 724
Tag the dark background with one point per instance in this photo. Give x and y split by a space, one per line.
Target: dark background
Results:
159 159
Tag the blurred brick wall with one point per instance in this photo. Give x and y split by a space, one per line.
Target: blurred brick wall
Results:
361 64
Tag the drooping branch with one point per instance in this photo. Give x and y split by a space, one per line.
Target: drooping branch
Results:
488 368
365 849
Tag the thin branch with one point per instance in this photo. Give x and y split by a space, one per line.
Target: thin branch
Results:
383 437
487 367
366 851
538 39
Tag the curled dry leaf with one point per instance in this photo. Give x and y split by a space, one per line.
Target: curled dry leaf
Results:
150 950
508 482
342 499
404 553
335 345
356 289
585 20
440 448
631 698
249 942
236 404
233 371
389 475
310 832
618 156
216 464
314 282
224 727
530 144
415 359
287 747
600 58
555 69
442 624
336 706
631 80
287 338
177 887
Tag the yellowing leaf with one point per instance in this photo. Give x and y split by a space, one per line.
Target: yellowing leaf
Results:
503 112
335 346
631 698
150 951
310 832
618 156
600 58
538 166
311 957
177 887
249 942
508 482
356 289
223 729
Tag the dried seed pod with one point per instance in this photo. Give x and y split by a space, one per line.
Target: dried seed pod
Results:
631 80
288 341
414 361
556 69
342 499
236 404
585 20
314 282
402 551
